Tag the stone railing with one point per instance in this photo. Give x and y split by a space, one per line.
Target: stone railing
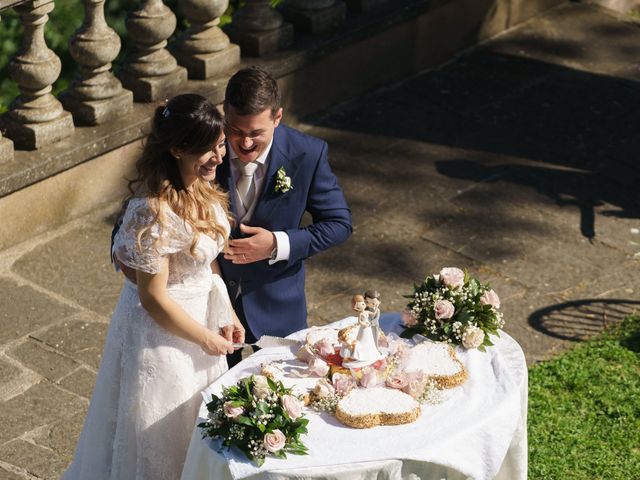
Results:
151 70
61 156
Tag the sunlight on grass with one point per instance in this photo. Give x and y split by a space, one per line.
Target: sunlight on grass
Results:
584 410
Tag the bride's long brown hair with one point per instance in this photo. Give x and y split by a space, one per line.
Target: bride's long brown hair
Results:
192 124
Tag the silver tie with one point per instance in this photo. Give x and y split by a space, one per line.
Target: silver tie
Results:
246 186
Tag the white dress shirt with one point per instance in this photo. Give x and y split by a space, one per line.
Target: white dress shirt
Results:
282 239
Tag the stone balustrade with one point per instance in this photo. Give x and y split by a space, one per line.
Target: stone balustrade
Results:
151 71
102 110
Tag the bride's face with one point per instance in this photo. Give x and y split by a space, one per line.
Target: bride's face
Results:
200 165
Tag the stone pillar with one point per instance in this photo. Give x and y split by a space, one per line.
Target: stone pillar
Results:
364 5
205 49
150 71
36 118
315 16
96 96
259 29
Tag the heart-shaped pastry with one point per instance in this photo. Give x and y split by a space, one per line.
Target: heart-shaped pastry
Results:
369 407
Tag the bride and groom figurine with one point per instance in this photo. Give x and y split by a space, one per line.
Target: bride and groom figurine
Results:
365 350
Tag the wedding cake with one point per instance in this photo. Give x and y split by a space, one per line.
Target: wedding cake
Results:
369 407
436 360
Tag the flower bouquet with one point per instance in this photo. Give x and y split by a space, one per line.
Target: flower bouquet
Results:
258 415
455 308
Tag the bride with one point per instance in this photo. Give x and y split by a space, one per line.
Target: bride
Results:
169 333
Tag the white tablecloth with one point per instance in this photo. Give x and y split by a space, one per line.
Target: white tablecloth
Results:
479 432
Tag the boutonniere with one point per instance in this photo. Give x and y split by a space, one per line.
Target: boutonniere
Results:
283 183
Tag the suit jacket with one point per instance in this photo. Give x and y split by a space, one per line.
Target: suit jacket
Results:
273 296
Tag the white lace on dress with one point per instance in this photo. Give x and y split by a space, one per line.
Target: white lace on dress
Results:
147 391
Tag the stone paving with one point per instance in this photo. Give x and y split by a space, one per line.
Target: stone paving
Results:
517 161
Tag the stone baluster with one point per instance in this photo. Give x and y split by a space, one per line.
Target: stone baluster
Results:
96 96
259 29
150 71
35 118
204 48
315 16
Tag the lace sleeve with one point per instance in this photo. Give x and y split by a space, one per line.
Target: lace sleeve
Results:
157 242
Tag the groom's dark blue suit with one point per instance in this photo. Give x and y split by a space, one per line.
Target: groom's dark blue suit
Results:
272 296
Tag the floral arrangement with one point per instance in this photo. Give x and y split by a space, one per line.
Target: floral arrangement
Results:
259 416
339 382
455 308
283 182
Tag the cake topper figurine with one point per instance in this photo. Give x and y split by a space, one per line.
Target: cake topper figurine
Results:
365 350
372 299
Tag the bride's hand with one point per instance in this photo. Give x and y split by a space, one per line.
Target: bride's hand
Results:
235 332
215 344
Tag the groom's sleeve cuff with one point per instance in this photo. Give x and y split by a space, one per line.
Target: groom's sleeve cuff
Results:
283 246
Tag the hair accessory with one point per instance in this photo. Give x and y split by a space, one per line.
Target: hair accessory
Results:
166 112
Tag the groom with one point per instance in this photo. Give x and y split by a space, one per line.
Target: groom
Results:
273 174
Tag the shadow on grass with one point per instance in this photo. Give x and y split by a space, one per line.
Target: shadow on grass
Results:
582 319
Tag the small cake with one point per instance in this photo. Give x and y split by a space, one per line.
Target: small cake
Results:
369 407
437 360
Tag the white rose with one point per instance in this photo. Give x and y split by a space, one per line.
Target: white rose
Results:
318 367
472 337
490 298
261 387
274 441
452 277
305 354
369 378
323 388
292 406
444 309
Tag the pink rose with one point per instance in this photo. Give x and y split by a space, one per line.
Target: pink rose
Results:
452 277
324 347
490 298
292 406
369 378
318 367
408 318
324 388
343 384
305 354
398 381
444 309
415 385
231 411
274 441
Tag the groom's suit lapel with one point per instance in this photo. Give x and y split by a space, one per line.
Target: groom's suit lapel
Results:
281 156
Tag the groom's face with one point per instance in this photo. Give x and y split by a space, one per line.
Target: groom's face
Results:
250 135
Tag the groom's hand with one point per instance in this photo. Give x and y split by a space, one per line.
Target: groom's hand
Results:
257 246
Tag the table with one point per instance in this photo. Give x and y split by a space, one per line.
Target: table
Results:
478 433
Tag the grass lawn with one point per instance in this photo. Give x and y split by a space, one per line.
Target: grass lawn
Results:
584 410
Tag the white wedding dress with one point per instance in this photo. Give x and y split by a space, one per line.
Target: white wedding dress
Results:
147 393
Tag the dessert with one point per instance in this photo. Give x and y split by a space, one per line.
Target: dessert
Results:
369 407
436 360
